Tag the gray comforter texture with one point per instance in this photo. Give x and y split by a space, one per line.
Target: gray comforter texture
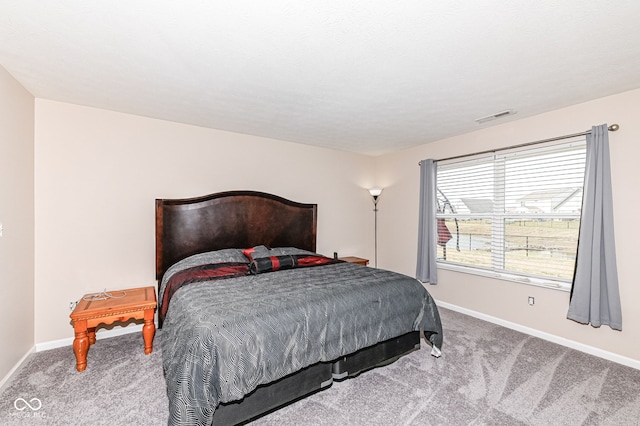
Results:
221 339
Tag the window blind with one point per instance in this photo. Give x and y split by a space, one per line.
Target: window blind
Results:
514 212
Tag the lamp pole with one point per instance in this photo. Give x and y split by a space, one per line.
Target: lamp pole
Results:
375 193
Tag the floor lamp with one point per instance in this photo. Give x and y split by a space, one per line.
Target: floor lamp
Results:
375 193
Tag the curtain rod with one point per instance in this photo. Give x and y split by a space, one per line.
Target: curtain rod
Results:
612 128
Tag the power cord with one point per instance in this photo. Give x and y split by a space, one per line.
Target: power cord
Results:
103 295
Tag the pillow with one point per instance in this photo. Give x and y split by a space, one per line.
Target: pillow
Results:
272 263
259 252
216 256
291 261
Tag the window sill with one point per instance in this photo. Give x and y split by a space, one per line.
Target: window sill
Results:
538 282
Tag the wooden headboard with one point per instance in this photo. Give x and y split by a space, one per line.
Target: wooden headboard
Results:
233 219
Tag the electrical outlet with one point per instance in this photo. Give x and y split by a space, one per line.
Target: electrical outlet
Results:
72 305
532 300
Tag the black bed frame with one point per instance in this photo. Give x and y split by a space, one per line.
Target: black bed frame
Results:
241 219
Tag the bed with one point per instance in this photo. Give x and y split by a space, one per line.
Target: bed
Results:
253 318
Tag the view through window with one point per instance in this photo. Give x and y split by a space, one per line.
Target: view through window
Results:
515 212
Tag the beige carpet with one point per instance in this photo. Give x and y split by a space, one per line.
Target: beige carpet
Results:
487 375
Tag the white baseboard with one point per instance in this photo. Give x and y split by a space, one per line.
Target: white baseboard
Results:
610 356
100 334
15 368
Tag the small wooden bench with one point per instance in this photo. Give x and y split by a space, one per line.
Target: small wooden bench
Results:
92 310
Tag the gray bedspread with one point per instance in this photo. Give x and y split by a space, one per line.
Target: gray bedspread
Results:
221 339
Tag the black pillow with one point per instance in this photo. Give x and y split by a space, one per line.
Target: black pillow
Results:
272 263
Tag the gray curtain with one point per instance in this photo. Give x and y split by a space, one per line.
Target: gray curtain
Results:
427 237
595 298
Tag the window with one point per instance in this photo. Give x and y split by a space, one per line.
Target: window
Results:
516 212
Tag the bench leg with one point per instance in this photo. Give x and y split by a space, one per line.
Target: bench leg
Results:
92 335
81 344
148 331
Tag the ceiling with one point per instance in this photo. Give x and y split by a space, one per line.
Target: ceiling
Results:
356 75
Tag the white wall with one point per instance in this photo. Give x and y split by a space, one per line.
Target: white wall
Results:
98 173
398 221
16 216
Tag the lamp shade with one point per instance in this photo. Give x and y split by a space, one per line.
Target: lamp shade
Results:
375 192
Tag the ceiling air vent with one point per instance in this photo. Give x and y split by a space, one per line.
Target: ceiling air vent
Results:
494 116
